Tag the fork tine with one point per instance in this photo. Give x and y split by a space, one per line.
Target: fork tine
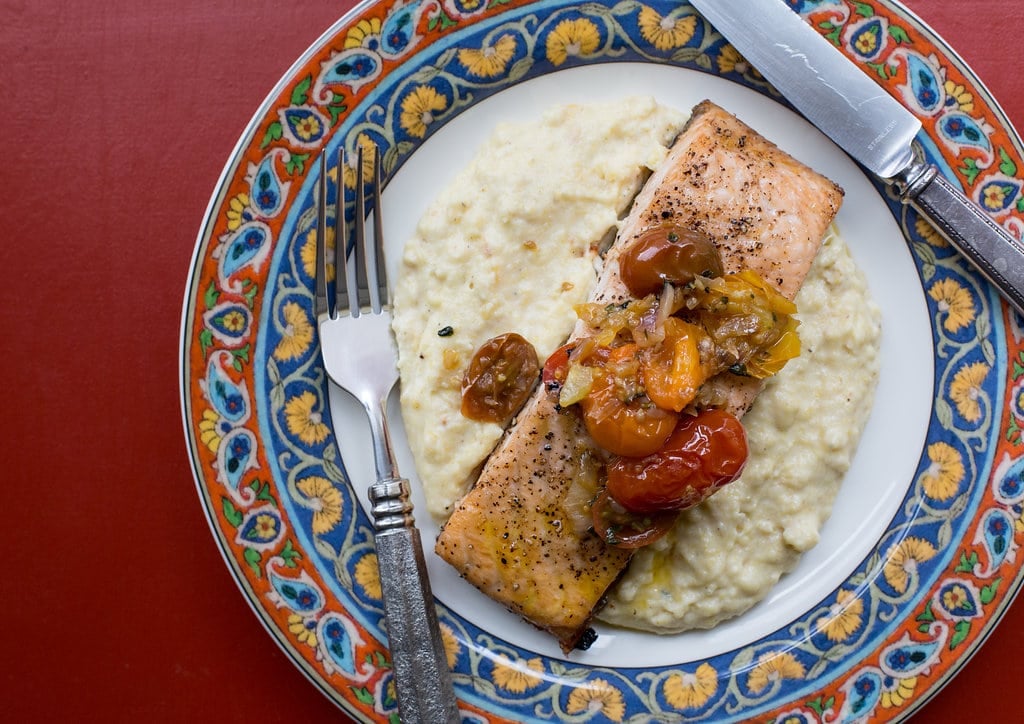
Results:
379 274
344 284
372 252
320 306
359 228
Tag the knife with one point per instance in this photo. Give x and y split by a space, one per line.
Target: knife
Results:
869 124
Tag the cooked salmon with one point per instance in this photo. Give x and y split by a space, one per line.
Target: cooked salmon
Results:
522 533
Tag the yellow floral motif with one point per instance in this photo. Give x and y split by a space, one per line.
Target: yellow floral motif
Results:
297 335
236 211
844 617
308 253
368 575
489 60
995 196
366 143
774 667
578 38
663 32
390 693
419 109
451 645
517 676
963 97
730 61
902 560
965 390
929 233
302 629
265 527
595 697
955 302
691 691
898 693
956 597
233 321
307 128
942 478
867 43
363 31
209 435
325 500
303 419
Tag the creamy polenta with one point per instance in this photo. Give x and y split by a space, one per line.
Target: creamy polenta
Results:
510 245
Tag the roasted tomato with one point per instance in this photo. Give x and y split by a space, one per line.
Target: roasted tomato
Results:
556 367
667 254
617 527
617 414
672 371
772 359
704 453
750 322
500 378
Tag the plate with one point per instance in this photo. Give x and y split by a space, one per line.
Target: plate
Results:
919 559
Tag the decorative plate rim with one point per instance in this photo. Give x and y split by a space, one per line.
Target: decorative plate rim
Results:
226 321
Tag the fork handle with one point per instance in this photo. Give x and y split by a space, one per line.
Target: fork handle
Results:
423 681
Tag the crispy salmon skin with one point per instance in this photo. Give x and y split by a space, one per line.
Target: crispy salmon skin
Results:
522 533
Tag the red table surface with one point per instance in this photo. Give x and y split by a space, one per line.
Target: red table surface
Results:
117 119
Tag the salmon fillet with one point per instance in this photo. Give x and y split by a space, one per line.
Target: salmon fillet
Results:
522 533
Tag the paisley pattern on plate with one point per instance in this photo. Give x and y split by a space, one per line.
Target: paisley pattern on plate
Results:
267 463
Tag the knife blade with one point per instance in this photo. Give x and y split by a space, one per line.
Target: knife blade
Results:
858 114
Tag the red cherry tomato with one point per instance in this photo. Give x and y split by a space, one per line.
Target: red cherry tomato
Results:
556 367
617 527
622 421
667 253
704 453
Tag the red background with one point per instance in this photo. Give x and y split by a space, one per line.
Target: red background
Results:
116 119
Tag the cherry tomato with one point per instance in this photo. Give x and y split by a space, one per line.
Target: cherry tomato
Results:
617 527
704 453
617 415
672 370
667 254
500 378
556 367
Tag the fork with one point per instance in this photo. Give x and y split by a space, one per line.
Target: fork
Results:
360 357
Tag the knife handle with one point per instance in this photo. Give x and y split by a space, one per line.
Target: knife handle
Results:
996 254
423 681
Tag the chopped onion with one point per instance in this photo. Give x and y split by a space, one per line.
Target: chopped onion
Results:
578 381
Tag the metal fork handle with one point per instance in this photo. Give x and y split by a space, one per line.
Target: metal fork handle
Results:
423 680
